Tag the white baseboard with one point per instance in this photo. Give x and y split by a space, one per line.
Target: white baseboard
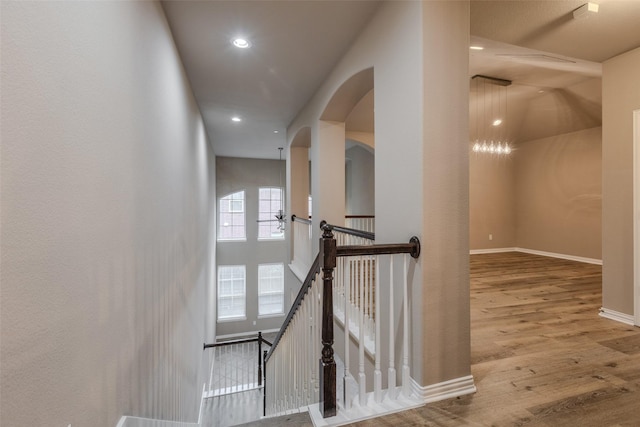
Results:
491 251
444 390
627 319
536 252
561 256
129 421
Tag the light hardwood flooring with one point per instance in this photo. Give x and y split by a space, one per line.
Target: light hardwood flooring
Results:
540 354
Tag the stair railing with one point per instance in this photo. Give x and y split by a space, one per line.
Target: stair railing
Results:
361 222
236 366
292 380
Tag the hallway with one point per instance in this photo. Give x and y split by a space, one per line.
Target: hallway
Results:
541 356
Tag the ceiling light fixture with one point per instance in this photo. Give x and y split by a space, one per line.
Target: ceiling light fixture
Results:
476 47
586 10
241 43
236 119
275 131
490 105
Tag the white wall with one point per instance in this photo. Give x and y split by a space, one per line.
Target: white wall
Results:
360 181
105 217
421 172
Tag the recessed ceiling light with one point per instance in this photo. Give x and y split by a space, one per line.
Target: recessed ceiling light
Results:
241 43
476 47
236 119
275 131
497 122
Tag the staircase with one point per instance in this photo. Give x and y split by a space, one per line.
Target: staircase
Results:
343 350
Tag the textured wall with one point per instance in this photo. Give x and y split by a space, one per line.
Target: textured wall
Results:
492 201
105 217
559 194
620 96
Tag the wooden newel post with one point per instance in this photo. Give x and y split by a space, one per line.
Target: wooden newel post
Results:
327 362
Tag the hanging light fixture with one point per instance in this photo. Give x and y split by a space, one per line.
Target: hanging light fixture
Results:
491 115
280 216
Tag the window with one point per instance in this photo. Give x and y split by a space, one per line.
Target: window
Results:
231 218
231 292
269 205
270 289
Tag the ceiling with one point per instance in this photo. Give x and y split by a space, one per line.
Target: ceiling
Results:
295 44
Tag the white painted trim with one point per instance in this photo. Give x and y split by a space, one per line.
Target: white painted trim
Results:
371 409
129 421
444 390
617 316
491 251
561 256
245 334
636 214
536 252
204 388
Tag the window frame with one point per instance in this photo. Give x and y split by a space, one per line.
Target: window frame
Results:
271 213
232 212
265 293
218 294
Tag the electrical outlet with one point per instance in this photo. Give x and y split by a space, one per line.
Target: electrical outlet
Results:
490 236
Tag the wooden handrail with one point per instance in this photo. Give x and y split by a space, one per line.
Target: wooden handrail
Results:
224 343
412 248
351 231
302 220
313 272
258 339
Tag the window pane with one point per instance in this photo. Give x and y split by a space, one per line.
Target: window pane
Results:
269 205
231 291
270 289
231 218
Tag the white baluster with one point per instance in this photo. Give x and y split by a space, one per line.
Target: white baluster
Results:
372 263
361 376
406 386
303 359
391 380
318 339
347 308
377 374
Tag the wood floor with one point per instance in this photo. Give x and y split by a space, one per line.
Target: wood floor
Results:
541 355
